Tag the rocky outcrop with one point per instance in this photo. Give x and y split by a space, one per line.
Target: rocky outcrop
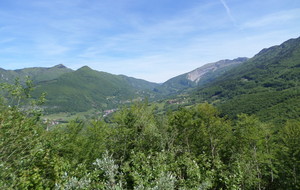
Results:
197 74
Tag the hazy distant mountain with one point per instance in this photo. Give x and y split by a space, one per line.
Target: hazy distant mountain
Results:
36 74
200 76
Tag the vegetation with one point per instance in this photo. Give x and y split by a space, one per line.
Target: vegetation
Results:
245 137
192 148
81 90
234 86
37 74
266 85
85 89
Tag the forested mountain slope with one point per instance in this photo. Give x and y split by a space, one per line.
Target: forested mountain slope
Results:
266 85
85 89
80 90
36 74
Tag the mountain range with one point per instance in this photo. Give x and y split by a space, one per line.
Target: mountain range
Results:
266 84
36 74
84 89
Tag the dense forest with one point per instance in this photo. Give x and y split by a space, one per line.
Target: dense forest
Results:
192 147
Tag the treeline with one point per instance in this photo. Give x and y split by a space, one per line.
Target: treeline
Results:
191 148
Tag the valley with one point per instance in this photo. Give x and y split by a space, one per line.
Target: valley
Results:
236 86
232 124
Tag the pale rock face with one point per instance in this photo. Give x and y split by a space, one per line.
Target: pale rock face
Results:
197 74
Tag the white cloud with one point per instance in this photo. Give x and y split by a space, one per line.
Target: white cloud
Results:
162 36
277 18
228 11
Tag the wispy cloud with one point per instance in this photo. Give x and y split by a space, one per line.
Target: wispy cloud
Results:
228 11
161 36
277 18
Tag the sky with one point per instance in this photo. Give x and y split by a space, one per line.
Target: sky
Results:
153 40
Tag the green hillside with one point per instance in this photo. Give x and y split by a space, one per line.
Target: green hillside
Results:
85 89
176 85
36 74
139 83
266 85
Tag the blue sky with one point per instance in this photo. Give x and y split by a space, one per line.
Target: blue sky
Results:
153 40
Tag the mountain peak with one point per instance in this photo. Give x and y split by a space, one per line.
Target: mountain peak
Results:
85 68
286 46
241 59
60 66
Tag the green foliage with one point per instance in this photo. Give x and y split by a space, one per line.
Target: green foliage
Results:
191 148
289 155
253 151
200 126
136 128
21 137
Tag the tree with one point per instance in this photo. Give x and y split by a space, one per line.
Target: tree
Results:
135 129
253 152
289 155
